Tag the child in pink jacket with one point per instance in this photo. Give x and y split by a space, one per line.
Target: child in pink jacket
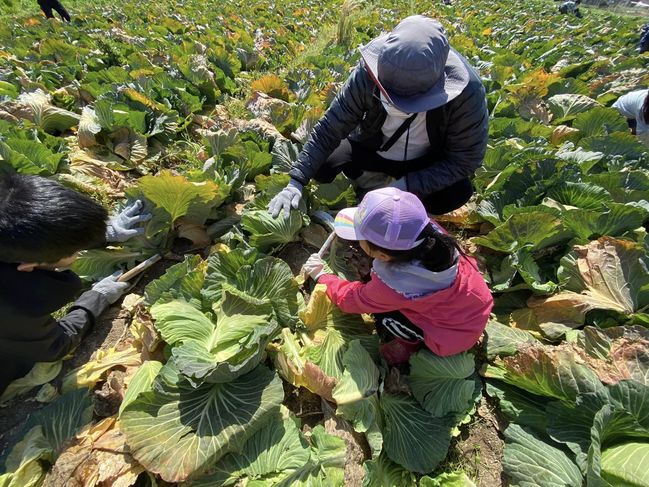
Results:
423 288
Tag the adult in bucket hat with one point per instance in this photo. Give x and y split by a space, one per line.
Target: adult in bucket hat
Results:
412 115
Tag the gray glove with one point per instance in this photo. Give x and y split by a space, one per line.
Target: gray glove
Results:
120 227
286 199
109 288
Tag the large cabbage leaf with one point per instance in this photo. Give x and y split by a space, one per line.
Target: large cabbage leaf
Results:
29 157
48 117
263 280
568 105
412 437
95 264
626 464
178 196
24 464
443 385
267 232
177 430
612 221
599 121
183 280
360 378
606 274
213 352
556 372
530 462
269 456
535 229
382 471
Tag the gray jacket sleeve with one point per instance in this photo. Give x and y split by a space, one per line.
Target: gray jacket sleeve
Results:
344 114
465 145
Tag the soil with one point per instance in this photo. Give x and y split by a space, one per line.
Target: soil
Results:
304 404
358 449
478 451
295 255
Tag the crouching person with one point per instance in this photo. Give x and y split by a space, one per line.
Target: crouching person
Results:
43 226
423 288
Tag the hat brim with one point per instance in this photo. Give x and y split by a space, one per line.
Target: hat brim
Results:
344 224
456 78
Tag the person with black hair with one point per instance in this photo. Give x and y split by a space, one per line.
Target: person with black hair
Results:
635 107
643 45
48 5
570 7
423 289
43 226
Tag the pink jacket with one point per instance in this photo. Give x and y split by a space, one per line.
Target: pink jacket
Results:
452 319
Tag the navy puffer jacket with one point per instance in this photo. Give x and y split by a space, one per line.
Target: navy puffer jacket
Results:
457 132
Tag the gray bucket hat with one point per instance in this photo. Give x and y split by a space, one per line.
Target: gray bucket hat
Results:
414 66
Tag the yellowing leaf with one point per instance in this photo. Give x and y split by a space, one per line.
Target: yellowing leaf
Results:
563 133
272 85
41 373
136 96
176 193
99 456
90 373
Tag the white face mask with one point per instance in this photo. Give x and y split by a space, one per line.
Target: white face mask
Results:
392 110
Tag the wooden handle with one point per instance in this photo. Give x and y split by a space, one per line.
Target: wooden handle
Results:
141 267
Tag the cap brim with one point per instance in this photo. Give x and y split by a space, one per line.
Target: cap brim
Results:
456 78
344 224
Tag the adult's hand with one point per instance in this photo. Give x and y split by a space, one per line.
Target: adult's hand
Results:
122 226
286 199
110 288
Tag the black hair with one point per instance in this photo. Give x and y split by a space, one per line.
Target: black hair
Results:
645 109
42 221
436 252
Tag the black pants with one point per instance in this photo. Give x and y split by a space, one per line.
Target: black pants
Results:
48 5
352 158
394 324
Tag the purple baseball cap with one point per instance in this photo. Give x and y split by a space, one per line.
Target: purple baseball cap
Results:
387 217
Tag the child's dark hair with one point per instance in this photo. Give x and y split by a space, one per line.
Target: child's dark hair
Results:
436 252
645 108
42 221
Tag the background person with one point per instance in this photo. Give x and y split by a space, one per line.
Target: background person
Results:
48 5
635 107
643 45
43 226
423 288
570 7
412 115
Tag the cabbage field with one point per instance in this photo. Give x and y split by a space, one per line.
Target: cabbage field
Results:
229 369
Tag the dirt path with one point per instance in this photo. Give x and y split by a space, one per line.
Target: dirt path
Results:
478 451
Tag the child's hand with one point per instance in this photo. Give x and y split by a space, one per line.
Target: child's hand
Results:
314 267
